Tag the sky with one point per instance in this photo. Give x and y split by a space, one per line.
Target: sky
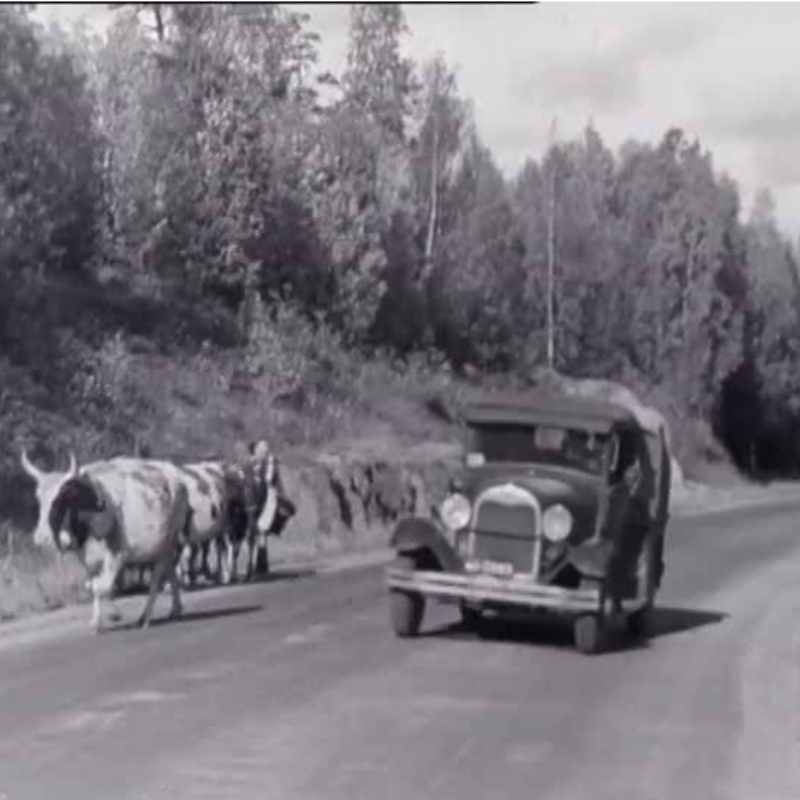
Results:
724 72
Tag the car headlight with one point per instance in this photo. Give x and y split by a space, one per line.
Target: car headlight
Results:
455 512
557 523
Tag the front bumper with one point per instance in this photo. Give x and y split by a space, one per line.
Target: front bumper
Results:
519 591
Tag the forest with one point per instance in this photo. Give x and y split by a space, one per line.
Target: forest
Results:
202 233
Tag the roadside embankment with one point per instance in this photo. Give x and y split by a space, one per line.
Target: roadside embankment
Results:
347 500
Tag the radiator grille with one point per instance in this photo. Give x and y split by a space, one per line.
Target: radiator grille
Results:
507 531
507 549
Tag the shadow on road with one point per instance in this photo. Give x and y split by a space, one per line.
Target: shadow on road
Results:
192 616
552 632
668 620
274 576
281 575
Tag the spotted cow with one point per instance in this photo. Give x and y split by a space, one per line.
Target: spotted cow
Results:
113 514
231 501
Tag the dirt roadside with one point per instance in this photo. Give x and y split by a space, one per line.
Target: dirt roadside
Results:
51 625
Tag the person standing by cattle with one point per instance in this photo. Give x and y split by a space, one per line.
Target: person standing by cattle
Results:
258 507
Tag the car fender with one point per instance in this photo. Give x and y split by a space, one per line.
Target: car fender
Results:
417 535
592 559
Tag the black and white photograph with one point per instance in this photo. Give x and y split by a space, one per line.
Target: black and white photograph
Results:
400 401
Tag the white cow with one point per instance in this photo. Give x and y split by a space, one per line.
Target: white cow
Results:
204 483
230 502
114 514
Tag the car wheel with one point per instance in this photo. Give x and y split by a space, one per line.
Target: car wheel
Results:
407 608
639 623
590 634
407 612
471 617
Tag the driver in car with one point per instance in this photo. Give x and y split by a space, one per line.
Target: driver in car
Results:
581 450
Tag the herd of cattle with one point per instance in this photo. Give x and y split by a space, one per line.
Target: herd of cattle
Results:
161 518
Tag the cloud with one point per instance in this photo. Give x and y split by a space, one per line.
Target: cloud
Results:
778 163
602 66
755 105
608 85
724 72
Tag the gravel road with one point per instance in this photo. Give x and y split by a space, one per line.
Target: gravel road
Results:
297 688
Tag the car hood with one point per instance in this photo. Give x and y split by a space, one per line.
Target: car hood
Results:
580 493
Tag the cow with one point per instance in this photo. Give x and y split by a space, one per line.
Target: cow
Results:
113 514
205 487
227 498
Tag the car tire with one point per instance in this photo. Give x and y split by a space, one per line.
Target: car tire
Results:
407 608
590 634
470 617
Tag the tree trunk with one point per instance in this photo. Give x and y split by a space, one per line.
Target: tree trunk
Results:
159 21
551 247
434 201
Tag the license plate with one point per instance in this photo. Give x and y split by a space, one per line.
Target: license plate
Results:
499 569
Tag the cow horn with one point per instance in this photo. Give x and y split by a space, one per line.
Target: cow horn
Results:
72 470
33 471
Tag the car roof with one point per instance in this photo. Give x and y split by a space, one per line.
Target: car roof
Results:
538 406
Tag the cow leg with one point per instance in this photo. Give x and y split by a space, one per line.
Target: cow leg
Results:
235 552
219 549
180 569
102 586
222 560
228 562
159 573
194 554
97 608
196 563
247 545
205 569
177 604
251 552
123 579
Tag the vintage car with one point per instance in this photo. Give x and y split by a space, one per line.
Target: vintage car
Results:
561 507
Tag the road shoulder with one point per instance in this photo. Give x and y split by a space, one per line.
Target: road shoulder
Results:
768 753
52 625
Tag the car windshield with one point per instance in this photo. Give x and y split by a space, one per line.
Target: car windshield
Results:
540 444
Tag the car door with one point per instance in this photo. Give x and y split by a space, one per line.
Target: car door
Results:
661 460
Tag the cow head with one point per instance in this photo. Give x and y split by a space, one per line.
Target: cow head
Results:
62 496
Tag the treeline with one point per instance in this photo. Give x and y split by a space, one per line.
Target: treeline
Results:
198 154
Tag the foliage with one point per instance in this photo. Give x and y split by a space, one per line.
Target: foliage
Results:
202 238
49 184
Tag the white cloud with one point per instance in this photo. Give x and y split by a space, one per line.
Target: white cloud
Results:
725 72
